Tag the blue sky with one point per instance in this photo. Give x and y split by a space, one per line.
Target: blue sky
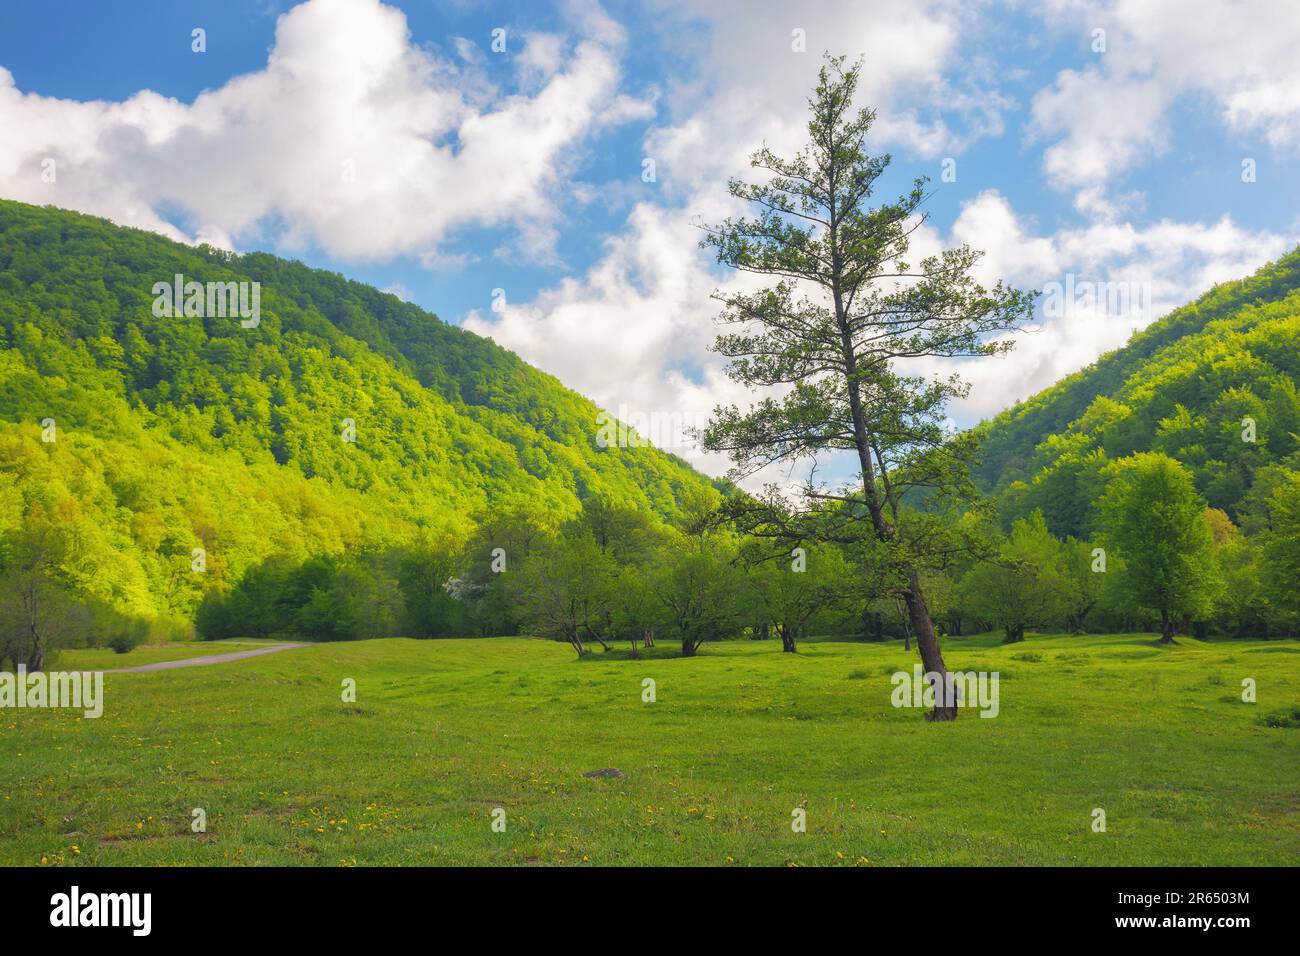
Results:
476 170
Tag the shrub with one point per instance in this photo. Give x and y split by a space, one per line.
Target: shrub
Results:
128 636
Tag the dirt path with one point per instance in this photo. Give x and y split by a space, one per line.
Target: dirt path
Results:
204 661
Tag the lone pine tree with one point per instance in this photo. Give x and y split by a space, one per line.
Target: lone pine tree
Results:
846 309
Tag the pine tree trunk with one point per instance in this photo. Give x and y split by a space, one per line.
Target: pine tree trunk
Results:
917 609
928 645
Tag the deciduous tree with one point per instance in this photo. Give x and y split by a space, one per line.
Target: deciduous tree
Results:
1154 519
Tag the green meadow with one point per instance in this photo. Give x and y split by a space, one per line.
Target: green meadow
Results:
444 732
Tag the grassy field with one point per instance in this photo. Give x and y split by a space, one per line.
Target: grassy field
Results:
444 732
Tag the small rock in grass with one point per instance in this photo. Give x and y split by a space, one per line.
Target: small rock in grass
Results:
607 772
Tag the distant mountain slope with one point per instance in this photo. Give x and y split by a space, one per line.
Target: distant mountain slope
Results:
176 433
1183 386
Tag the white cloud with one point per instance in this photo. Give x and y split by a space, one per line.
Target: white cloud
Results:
353 137
751 87
622 333
1111 116
1150 269
633 333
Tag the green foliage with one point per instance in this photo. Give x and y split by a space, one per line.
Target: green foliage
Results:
424 575
43 556
702 591
336 598
128 637
794 591
1185 386
846 317
173 434
1281 545
196 472
1211 386
1026 584
1084 581
1153 520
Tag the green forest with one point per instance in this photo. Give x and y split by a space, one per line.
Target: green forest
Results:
128 441
1212 384
161 476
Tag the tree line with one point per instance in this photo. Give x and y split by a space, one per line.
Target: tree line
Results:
613 577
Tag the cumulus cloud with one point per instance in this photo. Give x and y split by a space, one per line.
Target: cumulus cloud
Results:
751 86
1111 116
633 333
352 138
1122 278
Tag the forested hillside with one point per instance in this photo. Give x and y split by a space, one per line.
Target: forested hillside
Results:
144 438
1213 385
350 466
